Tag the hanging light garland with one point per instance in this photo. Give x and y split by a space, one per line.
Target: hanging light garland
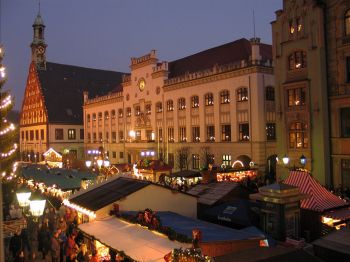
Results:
9 128
10 152
6 102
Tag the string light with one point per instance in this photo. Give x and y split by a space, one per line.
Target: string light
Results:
11 127
10 152
6 102
79 208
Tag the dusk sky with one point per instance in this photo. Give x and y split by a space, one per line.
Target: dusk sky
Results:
105 34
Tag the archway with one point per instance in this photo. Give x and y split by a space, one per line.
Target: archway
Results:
242 161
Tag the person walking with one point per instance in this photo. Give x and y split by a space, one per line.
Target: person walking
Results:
55 247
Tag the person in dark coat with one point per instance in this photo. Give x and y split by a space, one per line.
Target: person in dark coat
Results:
15 245
55 247
26 246
44 239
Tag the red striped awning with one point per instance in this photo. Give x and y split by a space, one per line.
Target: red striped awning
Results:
320 198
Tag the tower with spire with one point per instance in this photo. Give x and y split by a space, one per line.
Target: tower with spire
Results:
38 44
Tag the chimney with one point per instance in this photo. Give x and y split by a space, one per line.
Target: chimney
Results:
255 43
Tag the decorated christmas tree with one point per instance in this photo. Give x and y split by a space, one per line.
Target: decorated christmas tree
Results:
8 133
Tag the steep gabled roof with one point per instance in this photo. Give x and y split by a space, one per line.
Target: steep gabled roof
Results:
63 87
232 52
320 198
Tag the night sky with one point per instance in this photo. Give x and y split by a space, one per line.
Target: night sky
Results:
104 34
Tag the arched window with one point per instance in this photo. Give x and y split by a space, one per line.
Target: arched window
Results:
194 101
182 103
120 112
113 114
270 93
225 97
106 115
242 94
209 99
297 60
137 110
159 107
347 22
298 137
170 105
88 118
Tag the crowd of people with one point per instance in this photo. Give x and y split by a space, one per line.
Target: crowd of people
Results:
55 238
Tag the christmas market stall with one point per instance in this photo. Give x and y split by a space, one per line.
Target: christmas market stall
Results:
152 170
322 211
185 178
53 158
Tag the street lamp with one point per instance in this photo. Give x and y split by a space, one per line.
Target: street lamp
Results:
88 163
285 160
99 163
37 205
23 195
303 160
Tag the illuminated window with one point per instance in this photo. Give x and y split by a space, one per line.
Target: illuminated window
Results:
194 101
270 93
106 115
299 25
137 110
170 105
195 134
226 160
128 111
195 161
270 131
210 133
120 113
170 134
107 136
113 114
182 104
209 99
160 134
100 136
148 109
296 97
182 134
244 132
226 133
225 97
114 137
93 117
88 118
297 60
159 107
121 135
347 22
298 137
242 94
71 134
291 27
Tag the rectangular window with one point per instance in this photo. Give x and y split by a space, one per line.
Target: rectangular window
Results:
128 111
27 136
31 135
71 134
36 134
22 135
107 137
81 135
121 154
94 138
195 161
160 134
244 132
170 134
345 121
194 101
209 99
270 131
114 154
59 134
121 135
183 161
348 68
120 113
226 160
210 134
242 94
89 137
42 136
226 133
195 134
182 134
149 135
114 137
296 97
100 136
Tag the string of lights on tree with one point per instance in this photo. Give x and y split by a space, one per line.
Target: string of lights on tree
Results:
7 130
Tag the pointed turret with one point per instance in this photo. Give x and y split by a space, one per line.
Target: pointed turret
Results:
38 44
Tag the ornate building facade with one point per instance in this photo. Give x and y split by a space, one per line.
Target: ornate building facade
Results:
338 62
213 106
299 52
51 114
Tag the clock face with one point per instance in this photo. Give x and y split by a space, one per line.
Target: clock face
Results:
142 84
41 50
